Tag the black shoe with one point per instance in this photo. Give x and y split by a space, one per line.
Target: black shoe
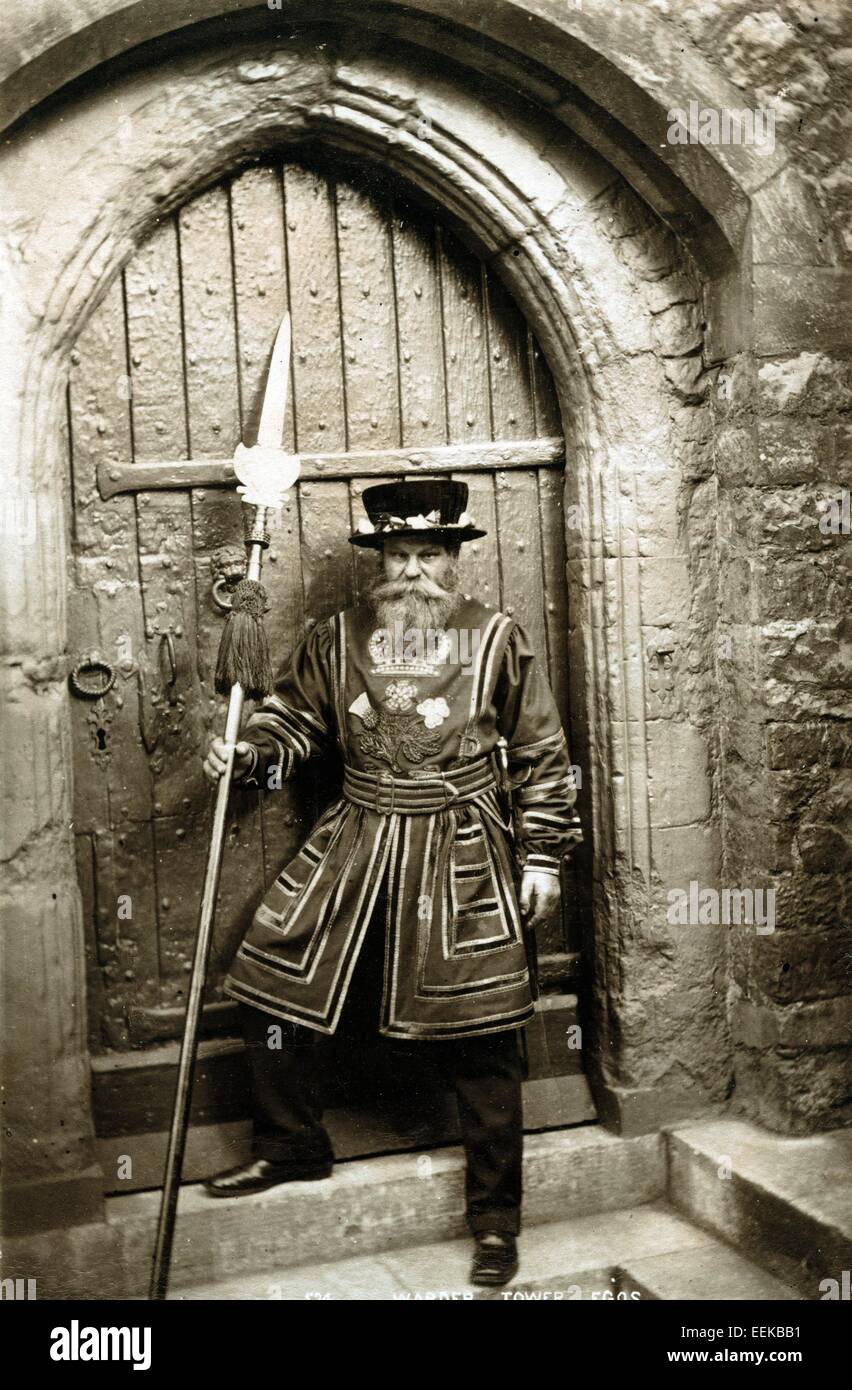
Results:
493 1263
260 1173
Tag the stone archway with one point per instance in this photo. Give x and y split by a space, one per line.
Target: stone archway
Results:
617 306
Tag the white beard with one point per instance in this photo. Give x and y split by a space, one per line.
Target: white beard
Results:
420 604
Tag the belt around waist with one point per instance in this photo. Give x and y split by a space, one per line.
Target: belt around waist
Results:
412 796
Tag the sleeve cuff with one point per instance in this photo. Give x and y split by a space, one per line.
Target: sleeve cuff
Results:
249 774
542 864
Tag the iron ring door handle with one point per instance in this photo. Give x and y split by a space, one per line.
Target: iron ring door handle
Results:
220 584
92 690
229 566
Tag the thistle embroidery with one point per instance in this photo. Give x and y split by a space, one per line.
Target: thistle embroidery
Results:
398 729
398 734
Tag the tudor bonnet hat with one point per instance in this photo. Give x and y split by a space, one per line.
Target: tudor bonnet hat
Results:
432 508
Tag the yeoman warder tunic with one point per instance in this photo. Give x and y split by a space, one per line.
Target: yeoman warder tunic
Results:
420 811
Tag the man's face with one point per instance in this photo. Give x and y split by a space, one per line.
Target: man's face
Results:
417 584
411 561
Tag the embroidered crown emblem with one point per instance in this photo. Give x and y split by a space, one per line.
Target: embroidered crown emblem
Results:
413 653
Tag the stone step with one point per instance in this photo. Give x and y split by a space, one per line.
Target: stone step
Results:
712 1272
787 1201
368 1206
646 1252
773 1201
381 1204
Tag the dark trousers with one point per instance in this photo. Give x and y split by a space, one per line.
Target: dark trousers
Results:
485 1073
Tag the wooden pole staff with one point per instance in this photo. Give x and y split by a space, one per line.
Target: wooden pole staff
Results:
266 472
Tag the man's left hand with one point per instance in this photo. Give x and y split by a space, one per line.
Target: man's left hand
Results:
539 897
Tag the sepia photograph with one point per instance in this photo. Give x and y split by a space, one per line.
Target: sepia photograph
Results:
427 628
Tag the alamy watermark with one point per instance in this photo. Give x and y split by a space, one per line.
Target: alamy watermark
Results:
84 1343
20 1289
836 514
710 125
722 907
400 650
833 1290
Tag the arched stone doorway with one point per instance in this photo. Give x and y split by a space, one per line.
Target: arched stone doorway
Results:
408 357
621 311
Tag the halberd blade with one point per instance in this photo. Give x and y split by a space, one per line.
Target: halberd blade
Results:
270 431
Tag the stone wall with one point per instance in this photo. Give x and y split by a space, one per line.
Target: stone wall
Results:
783 642
795 59
690 301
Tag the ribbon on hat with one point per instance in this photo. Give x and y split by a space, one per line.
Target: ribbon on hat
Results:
386 523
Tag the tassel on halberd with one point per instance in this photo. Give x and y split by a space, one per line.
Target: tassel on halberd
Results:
244 650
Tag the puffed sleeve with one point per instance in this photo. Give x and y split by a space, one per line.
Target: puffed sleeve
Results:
540 770
296 719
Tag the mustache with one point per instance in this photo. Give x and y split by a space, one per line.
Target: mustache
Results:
401 588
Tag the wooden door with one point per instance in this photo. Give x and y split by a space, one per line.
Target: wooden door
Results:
407 355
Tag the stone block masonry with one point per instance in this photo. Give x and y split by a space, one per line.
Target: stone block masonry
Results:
689 301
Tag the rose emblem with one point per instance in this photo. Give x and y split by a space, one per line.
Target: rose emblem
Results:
400 695
434 712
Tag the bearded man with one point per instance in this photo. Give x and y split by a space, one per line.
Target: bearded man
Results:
406 886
